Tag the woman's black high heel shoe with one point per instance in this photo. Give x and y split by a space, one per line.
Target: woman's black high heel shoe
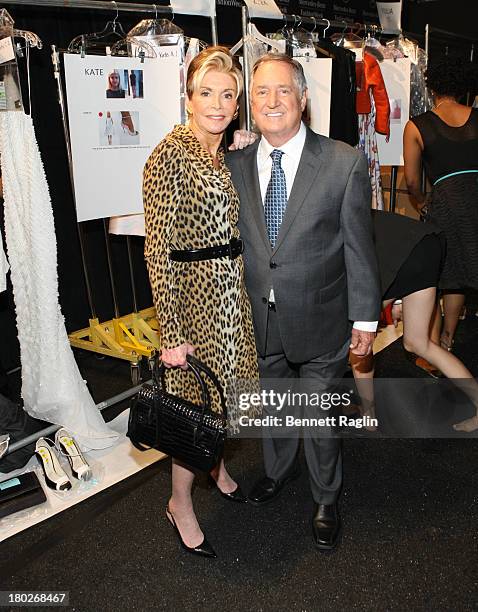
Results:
236 496
203 550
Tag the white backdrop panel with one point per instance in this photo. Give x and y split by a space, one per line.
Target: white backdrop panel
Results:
396 75
318 72
109 149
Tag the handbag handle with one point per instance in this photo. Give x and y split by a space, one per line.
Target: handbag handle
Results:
204 368
196 367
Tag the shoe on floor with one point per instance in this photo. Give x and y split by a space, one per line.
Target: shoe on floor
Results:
68 446
326 527
55 476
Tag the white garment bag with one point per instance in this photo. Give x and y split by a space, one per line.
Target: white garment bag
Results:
52 387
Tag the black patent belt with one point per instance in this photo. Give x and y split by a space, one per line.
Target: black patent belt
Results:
232 250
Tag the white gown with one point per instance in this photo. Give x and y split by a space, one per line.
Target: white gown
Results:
52 386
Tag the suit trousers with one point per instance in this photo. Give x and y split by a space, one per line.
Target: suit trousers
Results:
322 450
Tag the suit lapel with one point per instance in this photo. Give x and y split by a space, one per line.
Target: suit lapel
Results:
309 165
254 203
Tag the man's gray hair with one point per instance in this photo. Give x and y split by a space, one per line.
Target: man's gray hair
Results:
298 71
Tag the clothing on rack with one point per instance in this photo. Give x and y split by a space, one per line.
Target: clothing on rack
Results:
370 84
368 144
52 386
343 113
373 107
420 100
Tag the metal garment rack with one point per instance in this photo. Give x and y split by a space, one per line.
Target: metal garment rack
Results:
101 6
312 21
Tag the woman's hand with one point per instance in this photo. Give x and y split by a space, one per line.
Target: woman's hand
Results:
242 139
176 357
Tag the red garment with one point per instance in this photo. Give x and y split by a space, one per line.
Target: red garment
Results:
369 77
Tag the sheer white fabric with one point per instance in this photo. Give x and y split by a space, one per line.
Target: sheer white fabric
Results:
52 387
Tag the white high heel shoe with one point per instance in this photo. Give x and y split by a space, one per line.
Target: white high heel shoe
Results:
65 442
55 476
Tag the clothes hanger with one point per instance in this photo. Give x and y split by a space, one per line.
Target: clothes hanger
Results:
164 30
372 45
320 48
349 40
30 38
98 40
254 33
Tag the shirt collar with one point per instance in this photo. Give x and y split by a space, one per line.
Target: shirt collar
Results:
292 147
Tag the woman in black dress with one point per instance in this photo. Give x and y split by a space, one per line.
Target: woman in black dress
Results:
410 256
445 139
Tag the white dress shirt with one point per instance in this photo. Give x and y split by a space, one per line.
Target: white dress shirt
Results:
292 150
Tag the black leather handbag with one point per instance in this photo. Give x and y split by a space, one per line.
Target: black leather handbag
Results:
191 433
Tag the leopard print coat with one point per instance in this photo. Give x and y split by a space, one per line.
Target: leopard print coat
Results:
189 204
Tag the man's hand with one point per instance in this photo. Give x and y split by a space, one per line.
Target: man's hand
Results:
242 139
397 314
362 342
176 357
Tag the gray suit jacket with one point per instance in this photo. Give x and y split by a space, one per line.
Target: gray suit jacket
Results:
323 268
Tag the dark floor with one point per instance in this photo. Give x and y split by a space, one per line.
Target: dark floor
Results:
409 508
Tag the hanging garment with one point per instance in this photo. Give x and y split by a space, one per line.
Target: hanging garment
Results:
343 114
420 100
371 87
52 387
368 144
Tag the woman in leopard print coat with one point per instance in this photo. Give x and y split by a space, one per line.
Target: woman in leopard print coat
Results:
202 306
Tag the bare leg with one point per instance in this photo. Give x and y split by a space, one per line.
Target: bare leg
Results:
452 307
363 371
436 323
435 331
223 480
417 310
181 505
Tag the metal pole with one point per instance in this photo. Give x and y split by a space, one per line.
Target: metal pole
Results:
247 108
110 268
393 188
95 4
214 37
131 274
427 40
61 100
116 399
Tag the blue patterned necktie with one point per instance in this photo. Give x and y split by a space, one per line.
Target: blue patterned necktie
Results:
275 200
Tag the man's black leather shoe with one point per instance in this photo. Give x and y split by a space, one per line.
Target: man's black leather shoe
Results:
267 489
326 526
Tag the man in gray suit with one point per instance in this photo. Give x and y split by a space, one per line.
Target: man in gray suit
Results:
310 269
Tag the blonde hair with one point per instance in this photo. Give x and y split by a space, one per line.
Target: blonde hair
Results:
114 73
213 58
